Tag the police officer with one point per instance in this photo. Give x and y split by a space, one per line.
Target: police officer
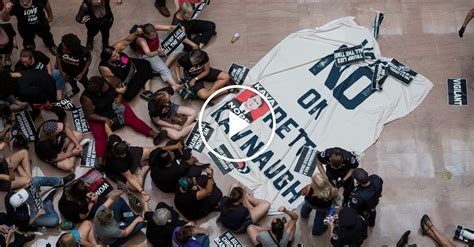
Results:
349 229
366 194
339 165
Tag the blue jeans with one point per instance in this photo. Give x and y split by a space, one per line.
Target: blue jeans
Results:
318 223
58 79
51 218
120 207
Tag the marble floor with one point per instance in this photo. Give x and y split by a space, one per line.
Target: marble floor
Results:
412 153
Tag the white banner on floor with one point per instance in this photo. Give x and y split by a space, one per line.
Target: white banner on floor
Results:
318 105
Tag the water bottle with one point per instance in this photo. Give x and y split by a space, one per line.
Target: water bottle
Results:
235 37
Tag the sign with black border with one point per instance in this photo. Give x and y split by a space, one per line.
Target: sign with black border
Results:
457 92
88 158
173 40
306 164
238 73
401 72
227 239
96 183
26 125
79 120
194 140
349 55
223 165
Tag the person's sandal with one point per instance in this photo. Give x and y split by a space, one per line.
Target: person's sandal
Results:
424 223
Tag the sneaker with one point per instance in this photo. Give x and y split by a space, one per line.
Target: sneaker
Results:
147 95
54 50
163 134
50 196
68 178
163 10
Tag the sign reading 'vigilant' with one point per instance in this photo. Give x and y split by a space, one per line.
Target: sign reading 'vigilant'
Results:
457 92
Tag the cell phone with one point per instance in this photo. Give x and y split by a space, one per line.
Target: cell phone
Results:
332 211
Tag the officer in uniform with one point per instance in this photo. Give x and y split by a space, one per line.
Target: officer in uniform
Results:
339 165
350 229
366 194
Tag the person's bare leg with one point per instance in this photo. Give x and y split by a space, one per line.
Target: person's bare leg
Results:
440 238
68 164
146 152
142 174
188 111
19 182
147 85
21 159
260 207
86 231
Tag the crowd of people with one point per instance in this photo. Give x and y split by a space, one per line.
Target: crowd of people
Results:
34 83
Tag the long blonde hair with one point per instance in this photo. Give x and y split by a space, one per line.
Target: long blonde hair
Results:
321 186
186 8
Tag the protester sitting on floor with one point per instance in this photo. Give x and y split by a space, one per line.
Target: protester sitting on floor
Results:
175 119
467 19
35 87
122 162
280 233
319 195
132 73
7 43
348 229
73 61
31 59
240 210
15 170
197 197
58 145
22 209
103 105
189 235
160 223
198 31
197 69
107 220
9 234
169 163
147 46
84 235
77 204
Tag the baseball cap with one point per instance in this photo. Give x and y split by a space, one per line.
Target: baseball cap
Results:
162 216
19 198
360 175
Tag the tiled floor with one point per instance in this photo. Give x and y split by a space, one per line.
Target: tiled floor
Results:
412 153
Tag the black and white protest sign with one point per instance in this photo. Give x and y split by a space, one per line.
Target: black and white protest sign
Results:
307 162
223 165
198 10
380 74
66 104
173 40
268 96
376 25
88 158
401 72
96 183
35 194
238 73
349 55
227 239
194 140
208 2
79 120
457 92
26 125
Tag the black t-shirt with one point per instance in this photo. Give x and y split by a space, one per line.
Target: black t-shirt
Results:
349 162
188 205
30 16
161 235
115 165
71 210
41 61
192 70
73 63
352 236
36 86
155 110
8 47
234 217
166 178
